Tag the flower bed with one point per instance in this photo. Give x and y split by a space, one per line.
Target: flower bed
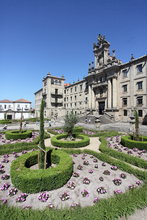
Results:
58 142
117 205
115 149
40 180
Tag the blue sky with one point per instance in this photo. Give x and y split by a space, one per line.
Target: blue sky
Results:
57 36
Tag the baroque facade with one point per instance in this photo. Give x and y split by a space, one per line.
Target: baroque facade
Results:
111 88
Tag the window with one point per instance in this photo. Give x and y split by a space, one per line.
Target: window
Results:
124 88
75 104
125 73
45 83
75 97
70 104
139 68
5 106
140 113
80 88
124 101
56 91
71 90
125 112
64 91
71 98
139 100
64 99
139 85
75 88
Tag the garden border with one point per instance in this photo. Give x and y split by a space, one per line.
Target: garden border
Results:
127 142
32 181
55 141
16 134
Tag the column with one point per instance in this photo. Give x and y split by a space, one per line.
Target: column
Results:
90 97
109 94
114 93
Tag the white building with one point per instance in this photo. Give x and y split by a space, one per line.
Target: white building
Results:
13 109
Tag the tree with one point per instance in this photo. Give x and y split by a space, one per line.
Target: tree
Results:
136 125
70 121
21 118
41 154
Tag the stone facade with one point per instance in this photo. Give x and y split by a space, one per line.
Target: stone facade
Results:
111 88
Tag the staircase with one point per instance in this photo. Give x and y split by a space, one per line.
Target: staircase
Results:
106 118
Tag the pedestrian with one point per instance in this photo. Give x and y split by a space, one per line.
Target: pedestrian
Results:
89 121
86 120
49 123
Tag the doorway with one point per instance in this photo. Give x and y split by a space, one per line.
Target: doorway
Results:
9 117
101 108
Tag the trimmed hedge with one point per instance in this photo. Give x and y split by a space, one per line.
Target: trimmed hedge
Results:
56 141
32 181
106 209
5 121
128 142
16 134
18 147
122 156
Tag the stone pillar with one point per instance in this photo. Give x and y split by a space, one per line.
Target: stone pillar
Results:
114 93
92 99
89 97
109 93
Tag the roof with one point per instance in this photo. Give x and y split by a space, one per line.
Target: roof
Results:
38 91
5 101
67 84
22 101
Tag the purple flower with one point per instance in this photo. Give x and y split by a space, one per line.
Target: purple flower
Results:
96 200
43 197
5 177
21 198
101 178
51 206
123 175
12 192
74 205
79 167
64 196
103 164
4 201
71 185
90 171
76 174
101 190
106 172
117 191
86 180
114 168
86 162
138 182
5 186
85 193
117 182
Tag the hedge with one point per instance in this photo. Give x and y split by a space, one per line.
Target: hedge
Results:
16 134
128 142
5 121
56 141
106 209
32 181
122 156
101 133
18 147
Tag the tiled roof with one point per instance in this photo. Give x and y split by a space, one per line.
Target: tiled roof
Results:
22 101
5 101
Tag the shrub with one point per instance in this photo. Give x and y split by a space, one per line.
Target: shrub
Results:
122 156
78 129
18 147
56 141
128 142
15 135
5 121
33 181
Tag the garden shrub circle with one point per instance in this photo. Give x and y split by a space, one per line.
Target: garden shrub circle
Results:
128 142
58 142
33 181
16 134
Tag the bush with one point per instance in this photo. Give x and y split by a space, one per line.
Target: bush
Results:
78 129
5 121
15 135
18 147
122 156
56 141
32 181
128 142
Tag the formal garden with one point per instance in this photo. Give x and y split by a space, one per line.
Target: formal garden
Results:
67 180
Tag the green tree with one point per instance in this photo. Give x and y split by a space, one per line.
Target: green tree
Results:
41 154
136 125
20 126
70 121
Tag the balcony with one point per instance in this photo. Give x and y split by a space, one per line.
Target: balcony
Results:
99 84
55 95
57 104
